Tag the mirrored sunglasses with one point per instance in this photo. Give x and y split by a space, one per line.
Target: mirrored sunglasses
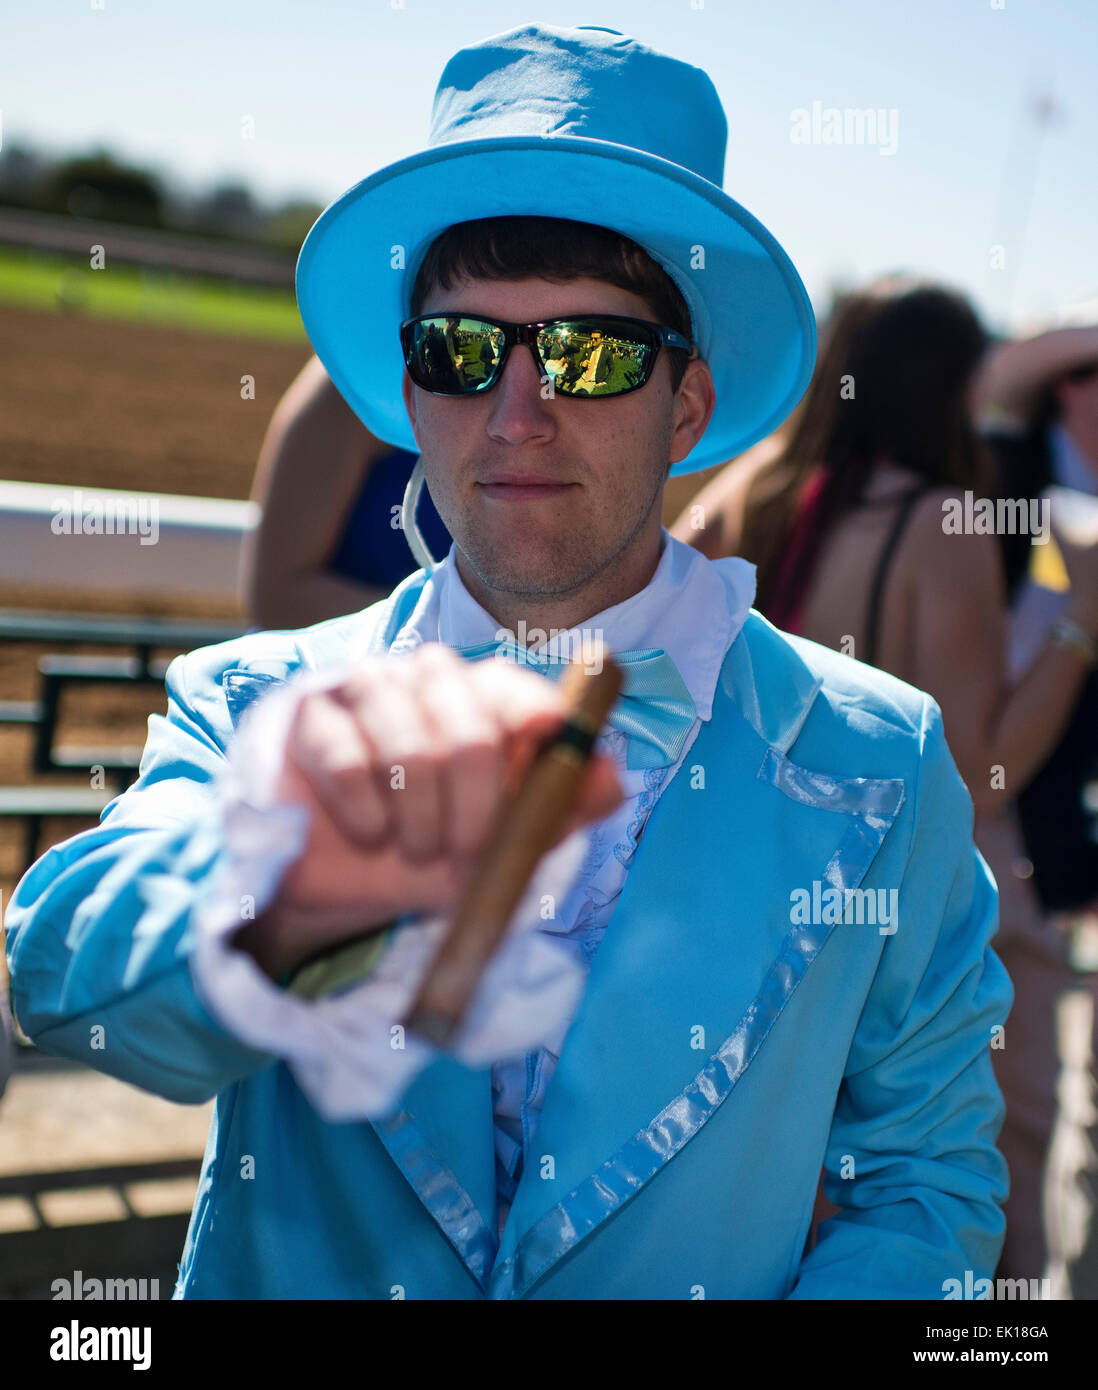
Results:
588 356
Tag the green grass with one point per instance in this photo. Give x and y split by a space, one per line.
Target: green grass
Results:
38 280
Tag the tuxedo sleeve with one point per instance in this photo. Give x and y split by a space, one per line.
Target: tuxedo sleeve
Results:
100 930
911 1160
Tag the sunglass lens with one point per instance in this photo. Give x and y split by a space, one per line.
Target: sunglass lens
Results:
455 356
583 358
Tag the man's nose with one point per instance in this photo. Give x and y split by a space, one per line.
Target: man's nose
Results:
521 400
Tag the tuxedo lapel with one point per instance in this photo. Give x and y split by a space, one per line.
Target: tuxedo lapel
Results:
442 1140
696 966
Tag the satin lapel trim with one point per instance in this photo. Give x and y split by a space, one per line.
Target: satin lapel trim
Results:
672 973
446 1201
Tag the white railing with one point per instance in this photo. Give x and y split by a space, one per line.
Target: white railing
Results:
107 540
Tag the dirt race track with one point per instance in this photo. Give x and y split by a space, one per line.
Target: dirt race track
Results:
94 402
97 402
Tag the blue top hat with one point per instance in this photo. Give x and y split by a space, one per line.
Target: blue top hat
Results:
582 123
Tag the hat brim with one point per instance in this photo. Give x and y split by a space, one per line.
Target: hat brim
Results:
753 320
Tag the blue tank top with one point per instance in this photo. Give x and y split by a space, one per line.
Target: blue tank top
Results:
372 547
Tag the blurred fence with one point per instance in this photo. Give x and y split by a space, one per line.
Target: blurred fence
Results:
154 249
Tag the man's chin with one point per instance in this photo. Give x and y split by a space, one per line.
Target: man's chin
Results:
525 580
544 574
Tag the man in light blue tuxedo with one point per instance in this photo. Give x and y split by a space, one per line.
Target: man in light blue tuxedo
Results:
769 952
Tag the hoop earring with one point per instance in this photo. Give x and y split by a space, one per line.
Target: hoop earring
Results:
409 525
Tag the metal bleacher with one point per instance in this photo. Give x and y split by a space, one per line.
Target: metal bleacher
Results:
45 798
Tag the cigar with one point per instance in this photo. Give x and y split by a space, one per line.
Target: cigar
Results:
527 824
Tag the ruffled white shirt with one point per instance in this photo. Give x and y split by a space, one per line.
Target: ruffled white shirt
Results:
346 1051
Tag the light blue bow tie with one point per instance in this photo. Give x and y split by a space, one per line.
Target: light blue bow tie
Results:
655 709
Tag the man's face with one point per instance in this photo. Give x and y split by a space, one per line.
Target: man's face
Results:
542 494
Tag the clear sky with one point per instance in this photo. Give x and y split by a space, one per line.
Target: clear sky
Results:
339 88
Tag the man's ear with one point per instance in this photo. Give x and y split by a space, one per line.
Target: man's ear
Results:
693 407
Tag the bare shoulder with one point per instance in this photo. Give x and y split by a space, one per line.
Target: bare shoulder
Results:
951 542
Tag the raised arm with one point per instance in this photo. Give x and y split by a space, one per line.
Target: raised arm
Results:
111 933
1012 375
